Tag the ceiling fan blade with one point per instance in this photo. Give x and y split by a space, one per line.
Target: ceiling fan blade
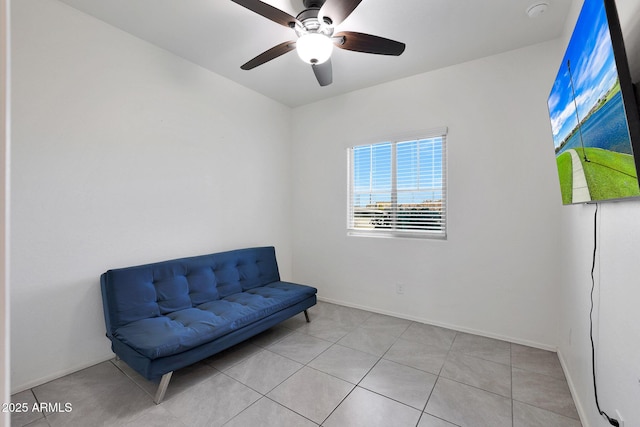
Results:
338 10
323 72
268 11
368 43
270 54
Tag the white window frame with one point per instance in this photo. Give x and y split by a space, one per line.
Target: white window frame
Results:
390 229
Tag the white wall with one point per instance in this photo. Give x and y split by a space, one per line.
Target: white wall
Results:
497 274
629 13
124 154
5 392
616 316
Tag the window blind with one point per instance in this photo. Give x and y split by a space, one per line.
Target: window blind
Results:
398 188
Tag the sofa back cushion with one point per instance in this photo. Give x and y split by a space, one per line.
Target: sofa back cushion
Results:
134 293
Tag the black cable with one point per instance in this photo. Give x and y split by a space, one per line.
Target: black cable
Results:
612 421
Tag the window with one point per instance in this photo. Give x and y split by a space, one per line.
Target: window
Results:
398 188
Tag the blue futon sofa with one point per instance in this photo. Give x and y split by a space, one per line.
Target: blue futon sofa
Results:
164 316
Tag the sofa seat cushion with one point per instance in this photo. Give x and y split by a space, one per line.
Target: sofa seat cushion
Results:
185 329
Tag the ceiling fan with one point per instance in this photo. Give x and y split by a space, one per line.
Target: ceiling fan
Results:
314 27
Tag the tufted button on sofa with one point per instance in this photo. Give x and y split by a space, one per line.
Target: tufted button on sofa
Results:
168 315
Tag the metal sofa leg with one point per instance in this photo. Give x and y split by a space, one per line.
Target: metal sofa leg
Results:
306 316
162 388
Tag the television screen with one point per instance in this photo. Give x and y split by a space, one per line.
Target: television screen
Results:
593 111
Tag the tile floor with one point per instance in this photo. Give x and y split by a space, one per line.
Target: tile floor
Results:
346 368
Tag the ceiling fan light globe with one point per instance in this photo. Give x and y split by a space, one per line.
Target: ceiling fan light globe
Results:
314 48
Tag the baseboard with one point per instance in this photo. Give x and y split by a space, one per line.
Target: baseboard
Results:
43 380
574 394
458 328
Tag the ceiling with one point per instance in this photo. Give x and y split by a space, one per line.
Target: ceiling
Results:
221 35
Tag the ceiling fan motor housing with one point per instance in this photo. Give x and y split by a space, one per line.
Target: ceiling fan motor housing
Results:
311 24
313 3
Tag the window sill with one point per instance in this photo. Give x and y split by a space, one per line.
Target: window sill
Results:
396 234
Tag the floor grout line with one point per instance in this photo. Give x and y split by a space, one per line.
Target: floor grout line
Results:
356 321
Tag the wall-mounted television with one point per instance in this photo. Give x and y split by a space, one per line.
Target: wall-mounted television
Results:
593 108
